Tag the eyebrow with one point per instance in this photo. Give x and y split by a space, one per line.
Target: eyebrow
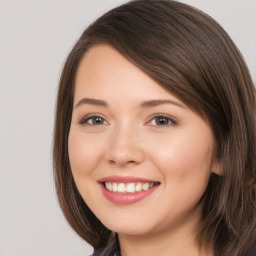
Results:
154 103
149 103
91 102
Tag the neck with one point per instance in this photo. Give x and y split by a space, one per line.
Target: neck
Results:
177 241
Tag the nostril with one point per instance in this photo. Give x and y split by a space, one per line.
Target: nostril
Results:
122 161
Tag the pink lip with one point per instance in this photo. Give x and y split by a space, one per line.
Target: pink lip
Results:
124 198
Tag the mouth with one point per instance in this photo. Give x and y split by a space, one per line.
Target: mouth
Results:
131 187
127 190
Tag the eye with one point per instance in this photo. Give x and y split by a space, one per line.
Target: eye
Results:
162 121
94 120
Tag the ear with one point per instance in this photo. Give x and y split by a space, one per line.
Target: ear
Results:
217 167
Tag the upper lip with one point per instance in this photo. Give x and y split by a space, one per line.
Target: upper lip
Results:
124 179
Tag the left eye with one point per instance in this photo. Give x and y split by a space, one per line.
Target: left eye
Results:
162 121
94 120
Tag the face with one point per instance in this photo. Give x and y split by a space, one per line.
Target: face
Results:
141 159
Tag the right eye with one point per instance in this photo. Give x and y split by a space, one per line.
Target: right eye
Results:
94 120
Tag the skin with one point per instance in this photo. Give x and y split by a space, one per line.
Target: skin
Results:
129 140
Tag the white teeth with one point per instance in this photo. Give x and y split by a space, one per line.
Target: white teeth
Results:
138 187
108 185
114 187
145 186
121 188
128 187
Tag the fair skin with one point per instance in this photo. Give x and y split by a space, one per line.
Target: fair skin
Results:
124 124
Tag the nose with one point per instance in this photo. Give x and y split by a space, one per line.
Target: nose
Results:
125 147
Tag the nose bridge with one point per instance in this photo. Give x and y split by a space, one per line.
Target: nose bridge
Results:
125 145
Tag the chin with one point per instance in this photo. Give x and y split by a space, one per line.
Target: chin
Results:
132 228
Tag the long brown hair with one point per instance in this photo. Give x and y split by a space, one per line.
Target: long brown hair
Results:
191 55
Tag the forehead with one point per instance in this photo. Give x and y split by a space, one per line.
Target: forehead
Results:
104 71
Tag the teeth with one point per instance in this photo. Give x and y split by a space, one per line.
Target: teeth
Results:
121 188
145 186
114 187
109 186
138 187
129 187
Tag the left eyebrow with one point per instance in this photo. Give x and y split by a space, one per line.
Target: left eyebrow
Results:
154 103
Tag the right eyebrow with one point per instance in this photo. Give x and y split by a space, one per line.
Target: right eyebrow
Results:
91 102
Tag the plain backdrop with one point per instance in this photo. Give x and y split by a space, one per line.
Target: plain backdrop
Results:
35 39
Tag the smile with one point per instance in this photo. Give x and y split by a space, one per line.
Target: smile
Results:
132 187
127 190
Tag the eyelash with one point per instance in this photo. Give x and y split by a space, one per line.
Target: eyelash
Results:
170 121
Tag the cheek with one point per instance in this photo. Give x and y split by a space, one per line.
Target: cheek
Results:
84 156
185 161
84 153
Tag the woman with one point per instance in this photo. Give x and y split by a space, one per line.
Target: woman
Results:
154 144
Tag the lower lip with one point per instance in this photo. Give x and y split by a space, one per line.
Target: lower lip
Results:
126 198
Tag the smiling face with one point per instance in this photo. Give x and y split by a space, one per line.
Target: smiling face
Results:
141 159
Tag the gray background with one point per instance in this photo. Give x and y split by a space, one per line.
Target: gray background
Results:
34 41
